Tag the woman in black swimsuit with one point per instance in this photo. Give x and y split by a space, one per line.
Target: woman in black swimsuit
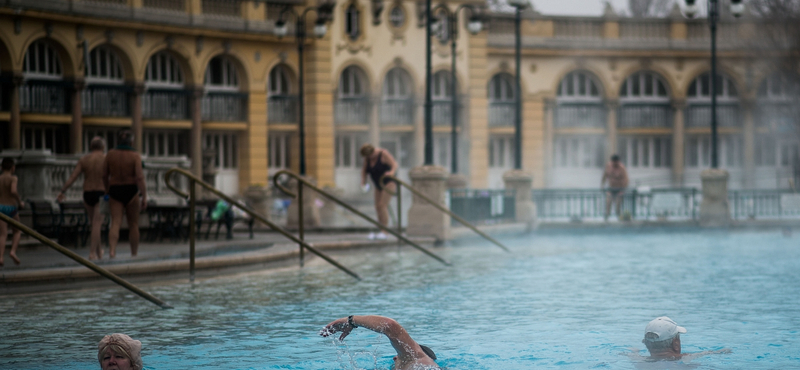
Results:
379 162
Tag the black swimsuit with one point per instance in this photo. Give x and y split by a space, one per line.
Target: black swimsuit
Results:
123 193
91 198
377 171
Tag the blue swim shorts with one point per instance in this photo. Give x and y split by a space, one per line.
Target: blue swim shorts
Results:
7 210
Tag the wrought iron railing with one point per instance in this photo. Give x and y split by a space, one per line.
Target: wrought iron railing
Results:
590 204
752 204
224 107
44 96
106 100
397 112
282 109
165 104
645 115
352 111
580 115
502 113
483 206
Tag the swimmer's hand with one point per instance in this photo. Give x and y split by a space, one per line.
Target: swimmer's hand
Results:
340 325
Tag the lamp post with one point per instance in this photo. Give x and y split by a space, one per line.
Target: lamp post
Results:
324 14
737 8
518 6
428 103
474 27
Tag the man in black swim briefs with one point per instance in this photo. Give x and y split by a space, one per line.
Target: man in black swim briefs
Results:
91 166
124 181
617 177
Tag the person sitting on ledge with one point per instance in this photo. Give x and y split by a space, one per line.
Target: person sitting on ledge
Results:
662 337
119 352
410 354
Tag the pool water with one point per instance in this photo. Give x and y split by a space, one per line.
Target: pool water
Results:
560 301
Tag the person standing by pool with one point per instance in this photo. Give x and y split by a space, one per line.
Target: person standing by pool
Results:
377 163
119 352
617 177
662 337
123 179
10 203
91 166
410 354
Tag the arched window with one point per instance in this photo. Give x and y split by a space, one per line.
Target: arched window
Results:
163 69
701 87
579 85
644 85
441 86
104 65
41 61
279 81
282 106
698 99
780 86
502 98
644 101
352 104
351 22
221 74
777 115
397 107
352 83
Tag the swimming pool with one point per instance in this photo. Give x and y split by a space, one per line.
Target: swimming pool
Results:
559 301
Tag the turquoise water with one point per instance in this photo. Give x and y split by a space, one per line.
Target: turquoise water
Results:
559 301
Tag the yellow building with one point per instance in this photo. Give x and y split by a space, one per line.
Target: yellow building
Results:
195 76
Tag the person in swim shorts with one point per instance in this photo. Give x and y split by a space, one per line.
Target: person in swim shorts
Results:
10 203
377 163
662 337
119 352
123 179
91 166
617 177
410 354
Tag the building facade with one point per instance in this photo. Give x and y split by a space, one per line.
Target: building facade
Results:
199 78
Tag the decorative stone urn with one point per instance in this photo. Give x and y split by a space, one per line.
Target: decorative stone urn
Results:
714 209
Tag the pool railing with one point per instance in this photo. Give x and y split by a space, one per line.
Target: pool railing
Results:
194 180
77 258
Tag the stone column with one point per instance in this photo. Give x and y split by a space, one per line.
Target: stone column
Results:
136 116
749 144
375 121
611 127
714 209
423 218
196 134
521 183
549 113
311 215
15 124
76 129
678 138
476 122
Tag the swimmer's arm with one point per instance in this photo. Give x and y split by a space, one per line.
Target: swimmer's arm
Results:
15 193
105 173
392 162
692 356
398 336
75 173
364 171
625 175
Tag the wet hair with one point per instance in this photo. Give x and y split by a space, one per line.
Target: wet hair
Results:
121 344
97 143
366 150
125 137
428 351
7 164
615 158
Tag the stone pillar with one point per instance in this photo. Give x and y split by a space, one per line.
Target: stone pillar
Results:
136 116
549 113
196 134
522 184
319 125
714 209
678 140
374 122
749 145
310 210
423 218
76 129
476 121
611 127
15 124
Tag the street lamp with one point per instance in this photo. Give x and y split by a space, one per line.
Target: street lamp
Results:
324 14
518 6
474 26
737 9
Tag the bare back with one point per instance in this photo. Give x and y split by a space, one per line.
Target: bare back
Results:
123 167
8 185
92 168
617 176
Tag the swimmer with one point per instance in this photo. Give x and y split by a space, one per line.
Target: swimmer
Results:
662 337
119 352
410 354
123 179
10 204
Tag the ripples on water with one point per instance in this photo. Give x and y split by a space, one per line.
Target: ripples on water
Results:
566 301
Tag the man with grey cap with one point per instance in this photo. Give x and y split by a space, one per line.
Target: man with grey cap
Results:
662 337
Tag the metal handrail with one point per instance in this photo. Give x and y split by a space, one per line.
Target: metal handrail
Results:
103 272
299 196
445 210
191 196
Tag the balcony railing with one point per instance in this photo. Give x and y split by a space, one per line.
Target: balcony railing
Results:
578 28
176 5
502 113
645 115
442 113
49 97
352 111
397 112
652 29
728 115
580 115
282 109
223 8
224 107
165 104
780 116
106 101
